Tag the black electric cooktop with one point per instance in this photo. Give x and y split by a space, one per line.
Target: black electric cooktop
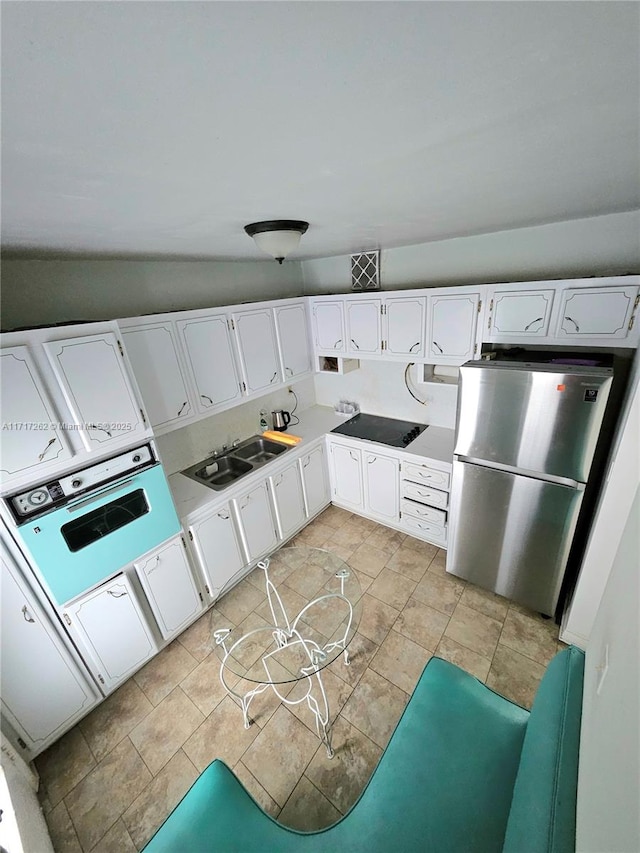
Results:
383 430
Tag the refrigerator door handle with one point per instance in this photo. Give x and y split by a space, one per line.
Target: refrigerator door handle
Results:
534 475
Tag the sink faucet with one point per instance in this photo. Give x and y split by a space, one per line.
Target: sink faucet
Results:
218 451
236 442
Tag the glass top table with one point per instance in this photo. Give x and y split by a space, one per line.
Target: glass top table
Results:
311 613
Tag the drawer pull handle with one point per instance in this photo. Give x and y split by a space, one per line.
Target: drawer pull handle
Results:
26 614
116 594
223 516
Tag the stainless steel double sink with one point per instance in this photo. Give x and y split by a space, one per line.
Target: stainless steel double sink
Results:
218 472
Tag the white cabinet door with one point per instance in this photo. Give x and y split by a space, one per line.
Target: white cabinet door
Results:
218 549
346 475
382 486
404 334
166 578
31 437
207 345
328 325
596 312
315 483
258 348
108 622
364 335
153 355
44 689
452 322
256 522
93 376
286 488
293 340
521 313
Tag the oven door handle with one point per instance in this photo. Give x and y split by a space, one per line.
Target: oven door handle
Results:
99 495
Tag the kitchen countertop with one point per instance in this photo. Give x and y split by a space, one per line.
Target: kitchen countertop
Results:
189 497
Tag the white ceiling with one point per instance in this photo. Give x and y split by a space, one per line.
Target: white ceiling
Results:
161 128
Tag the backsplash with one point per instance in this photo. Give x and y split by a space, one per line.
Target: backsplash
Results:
379 388
186 446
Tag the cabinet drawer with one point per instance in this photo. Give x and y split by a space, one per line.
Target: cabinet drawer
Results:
425 513
424 529
423 474
425 494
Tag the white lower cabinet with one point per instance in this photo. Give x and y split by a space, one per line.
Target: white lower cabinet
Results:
315 484
257 525
286 488
111 627
45 690
381 493
165 576
218 548
346 475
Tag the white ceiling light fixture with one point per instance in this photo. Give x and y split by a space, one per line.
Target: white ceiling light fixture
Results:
277 237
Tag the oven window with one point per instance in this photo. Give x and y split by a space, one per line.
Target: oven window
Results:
101 522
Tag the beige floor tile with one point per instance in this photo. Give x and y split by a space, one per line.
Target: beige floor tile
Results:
307 809
65 764
159 798
315 534
440 592
343 777
307 580
98 801
400 661
427 550
117 840
361 650
392 588
264 800
423 624
471 662
256 578
364 581
486 602
161 734
61 830
203 685
474 630
375 706
408 562
362 523
111 721
368 559
197 638
292 602
385 539
253 645
377 618
349 536
240 601
524 634
345 552
334 516
438 564
336 690
221 735
514 676
164 672
278 756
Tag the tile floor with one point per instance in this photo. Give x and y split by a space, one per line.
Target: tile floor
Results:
110 781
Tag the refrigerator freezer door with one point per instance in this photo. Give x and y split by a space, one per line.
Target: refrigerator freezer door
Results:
511 534
540 420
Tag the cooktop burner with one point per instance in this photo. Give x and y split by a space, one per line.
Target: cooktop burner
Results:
383 430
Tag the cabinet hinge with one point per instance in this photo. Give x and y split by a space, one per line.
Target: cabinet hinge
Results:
21 743
232 325
67 619
475 348
206 586
631 321
200 596
142 415
243 386
382 346
479 305
120 348
191 536
100 679
184 543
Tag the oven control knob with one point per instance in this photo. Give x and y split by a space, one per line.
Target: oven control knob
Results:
136 458
76 483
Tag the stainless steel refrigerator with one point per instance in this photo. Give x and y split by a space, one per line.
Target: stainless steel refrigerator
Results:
525 439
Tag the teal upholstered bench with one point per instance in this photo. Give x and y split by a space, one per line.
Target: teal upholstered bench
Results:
465 770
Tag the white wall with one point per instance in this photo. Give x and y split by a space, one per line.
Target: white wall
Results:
378 387
608 817
39 292
601 245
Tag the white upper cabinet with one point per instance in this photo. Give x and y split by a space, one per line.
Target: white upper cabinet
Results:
209 356
154 357
258 349
597 312
92 374
31 438
404 326
328 326
364 336
519 313
452 324
293 340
